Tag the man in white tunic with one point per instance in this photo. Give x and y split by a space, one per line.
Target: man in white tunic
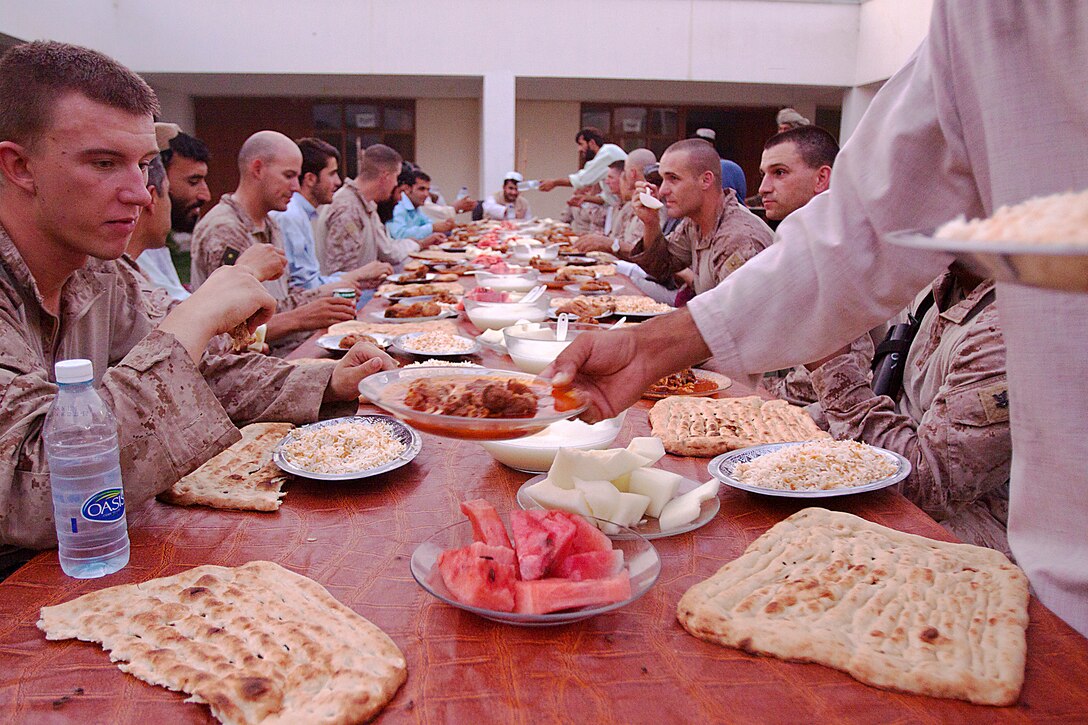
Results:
969 124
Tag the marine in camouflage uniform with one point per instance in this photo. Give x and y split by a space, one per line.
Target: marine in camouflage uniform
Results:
951 420
350 234
738 236
222 235
172 415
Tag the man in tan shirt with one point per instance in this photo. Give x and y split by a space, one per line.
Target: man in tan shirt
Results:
76 138
269 164
349 232
717 234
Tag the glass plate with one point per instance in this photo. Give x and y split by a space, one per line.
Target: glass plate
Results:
332 342
575 289
403 343
640 558
378 317
387 390
406 278
620 313
554 314
1050 266
722 468
406 435
719 381
648 528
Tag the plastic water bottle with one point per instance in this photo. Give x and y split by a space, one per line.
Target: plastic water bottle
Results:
85 474
529 185
462 193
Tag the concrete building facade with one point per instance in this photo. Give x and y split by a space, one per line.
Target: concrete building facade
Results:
472 89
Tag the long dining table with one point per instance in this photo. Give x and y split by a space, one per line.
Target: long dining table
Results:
632 665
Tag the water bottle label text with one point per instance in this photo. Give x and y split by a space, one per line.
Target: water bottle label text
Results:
106 505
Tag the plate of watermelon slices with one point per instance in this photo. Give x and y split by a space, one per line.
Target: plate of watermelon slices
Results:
547 568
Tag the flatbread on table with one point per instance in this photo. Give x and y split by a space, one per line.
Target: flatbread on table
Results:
241 477
454 288
690 426
437 255
393 329
894 610
256 643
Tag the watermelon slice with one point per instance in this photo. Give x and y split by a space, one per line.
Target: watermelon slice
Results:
540 538
554 595
590 565
486 524
588 537
480 575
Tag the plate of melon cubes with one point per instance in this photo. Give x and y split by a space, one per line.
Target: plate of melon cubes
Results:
548 568
622 489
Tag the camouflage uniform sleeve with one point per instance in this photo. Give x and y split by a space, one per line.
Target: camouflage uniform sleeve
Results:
665 256
256 388
342 234
961 449
213 239
169 422
744 239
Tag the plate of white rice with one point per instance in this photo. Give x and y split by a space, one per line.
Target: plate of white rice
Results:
1041 242
810 469
344 449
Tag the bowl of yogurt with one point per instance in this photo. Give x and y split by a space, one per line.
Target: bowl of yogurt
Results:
497 315
511 282
534 346
535 453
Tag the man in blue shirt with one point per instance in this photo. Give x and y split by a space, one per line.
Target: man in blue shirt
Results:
409 222
319 180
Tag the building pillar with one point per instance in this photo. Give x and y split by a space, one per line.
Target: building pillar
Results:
177 107
855 101
497 121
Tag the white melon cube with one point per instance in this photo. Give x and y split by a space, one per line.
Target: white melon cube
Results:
562 472
659 485
631 508
554 498
602 497
623 483
685 508
649 447
608 465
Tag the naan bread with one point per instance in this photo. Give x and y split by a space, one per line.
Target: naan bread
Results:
703 427
241 477
392 328
256 643
894 610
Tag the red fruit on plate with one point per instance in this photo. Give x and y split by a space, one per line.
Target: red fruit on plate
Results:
588 537
480 575
540 538
554 595
589 565
486 525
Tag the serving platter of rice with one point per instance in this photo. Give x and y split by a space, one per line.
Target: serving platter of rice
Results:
344 449
810 469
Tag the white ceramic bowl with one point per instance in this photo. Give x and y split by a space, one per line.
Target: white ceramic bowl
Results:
497 315
533 348
521 282
535 453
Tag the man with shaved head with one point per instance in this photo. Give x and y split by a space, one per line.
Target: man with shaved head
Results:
627 228
716 235
269 165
